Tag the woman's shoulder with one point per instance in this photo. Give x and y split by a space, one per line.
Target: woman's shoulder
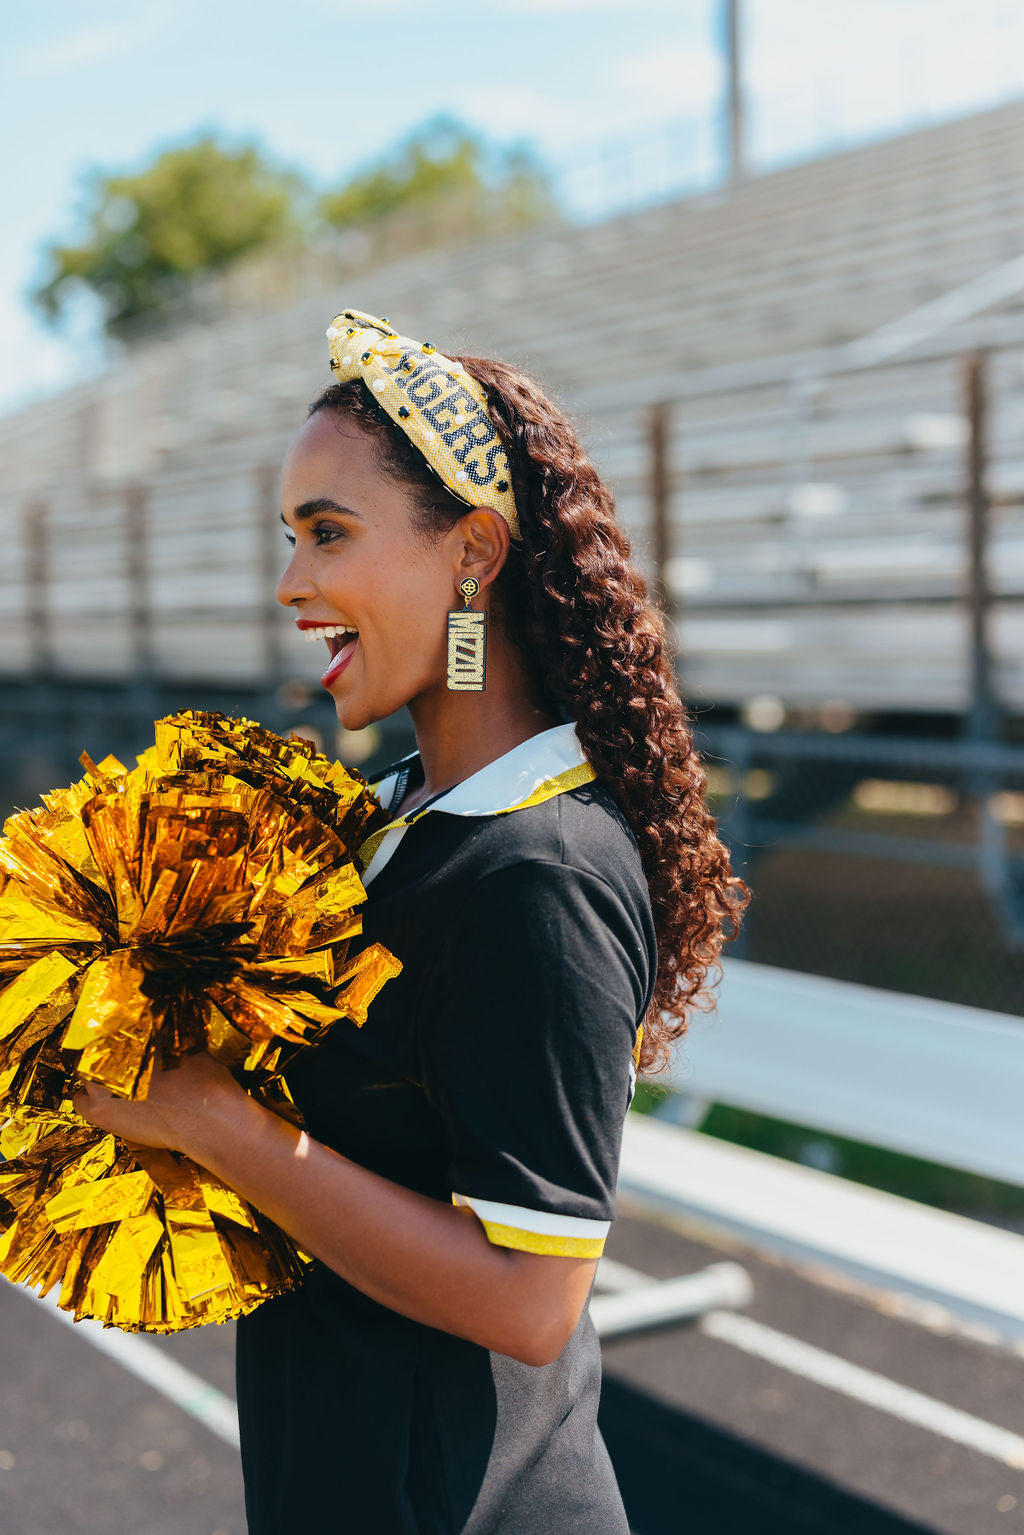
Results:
573 865
582 828
594 830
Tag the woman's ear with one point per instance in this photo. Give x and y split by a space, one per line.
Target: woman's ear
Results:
484 544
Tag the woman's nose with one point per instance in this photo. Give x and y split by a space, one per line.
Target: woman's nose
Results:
294 585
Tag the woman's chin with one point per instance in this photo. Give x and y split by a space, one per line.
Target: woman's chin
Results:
353 717
347 717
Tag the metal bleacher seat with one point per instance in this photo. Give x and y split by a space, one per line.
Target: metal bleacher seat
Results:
721 297
910 1074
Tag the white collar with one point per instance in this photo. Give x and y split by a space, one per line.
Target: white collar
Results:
502 785
507 780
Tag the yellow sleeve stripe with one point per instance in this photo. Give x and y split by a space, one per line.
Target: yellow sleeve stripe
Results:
543 1242
536 1231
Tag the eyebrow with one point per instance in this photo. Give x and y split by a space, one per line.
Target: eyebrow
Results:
309 509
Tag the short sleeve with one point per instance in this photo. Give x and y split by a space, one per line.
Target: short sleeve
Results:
528 1031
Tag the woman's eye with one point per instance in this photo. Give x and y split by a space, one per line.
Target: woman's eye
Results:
319 535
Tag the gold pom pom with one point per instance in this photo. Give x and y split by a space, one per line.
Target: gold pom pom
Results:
205 899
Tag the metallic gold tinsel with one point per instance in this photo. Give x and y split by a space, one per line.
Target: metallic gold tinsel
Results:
202 900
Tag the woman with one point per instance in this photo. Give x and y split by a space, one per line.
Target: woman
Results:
554 886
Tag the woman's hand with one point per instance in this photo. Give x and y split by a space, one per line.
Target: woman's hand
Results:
423 1257
184 1102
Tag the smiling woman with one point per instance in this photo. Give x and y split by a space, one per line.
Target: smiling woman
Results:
555 888
362 564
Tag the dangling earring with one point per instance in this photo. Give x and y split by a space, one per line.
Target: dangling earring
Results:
467 643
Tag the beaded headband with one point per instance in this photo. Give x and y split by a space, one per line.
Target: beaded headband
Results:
438 404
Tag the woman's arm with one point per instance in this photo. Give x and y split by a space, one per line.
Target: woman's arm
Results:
430 1261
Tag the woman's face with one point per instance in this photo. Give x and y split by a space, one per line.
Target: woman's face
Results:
359 564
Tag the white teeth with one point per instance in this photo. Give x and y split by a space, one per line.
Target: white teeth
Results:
327 632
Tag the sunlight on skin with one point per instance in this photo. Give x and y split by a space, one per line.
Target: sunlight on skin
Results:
366 569
429 1260
370 571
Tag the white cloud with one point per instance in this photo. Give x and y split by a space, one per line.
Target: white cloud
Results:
650 86
680 81
511 112
534 6
35 361
566 5
531 7
896 63
91 45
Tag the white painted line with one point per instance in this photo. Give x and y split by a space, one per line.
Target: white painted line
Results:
143 1359
865 1386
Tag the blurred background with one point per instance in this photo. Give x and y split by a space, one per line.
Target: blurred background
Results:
770 256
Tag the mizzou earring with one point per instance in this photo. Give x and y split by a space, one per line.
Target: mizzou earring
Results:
467 643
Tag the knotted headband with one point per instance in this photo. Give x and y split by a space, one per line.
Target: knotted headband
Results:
438 404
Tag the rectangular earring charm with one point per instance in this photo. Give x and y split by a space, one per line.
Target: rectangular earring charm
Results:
467 646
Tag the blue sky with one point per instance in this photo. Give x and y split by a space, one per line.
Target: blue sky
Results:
326 84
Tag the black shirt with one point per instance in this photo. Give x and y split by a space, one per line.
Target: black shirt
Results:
495 1071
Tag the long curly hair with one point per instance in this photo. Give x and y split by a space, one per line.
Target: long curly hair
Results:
578 612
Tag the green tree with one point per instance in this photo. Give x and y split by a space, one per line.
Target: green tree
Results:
444 166
196 209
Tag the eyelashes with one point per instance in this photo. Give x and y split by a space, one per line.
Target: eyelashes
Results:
321 536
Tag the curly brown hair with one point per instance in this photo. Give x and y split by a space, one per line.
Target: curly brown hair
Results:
577 609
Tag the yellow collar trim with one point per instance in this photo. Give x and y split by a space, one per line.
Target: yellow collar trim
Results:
536 770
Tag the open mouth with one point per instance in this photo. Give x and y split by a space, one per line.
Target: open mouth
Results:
340 642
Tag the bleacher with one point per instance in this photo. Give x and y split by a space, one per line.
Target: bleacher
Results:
859 1366
817 507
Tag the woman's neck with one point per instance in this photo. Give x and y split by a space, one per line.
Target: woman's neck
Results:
447 760
458 733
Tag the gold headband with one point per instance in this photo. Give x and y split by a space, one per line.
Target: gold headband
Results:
438 404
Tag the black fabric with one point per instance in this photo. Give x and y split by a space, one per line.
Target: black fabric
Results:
497 1066
532 1092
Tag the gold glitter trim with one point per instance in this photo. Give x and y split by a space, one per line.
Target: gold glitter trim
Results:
543 1242
571 778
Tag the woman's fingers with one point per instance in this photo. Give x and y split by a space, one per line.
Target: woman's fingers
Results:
180 1098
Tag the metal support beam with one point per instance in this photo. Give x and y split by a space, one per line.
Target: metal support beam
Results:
637 1303
734 66
37 587
271 562
982 707
140 605
997 867
658 431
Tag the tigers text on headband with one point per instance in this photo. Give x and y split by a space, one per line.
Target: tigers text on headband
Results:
438 404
